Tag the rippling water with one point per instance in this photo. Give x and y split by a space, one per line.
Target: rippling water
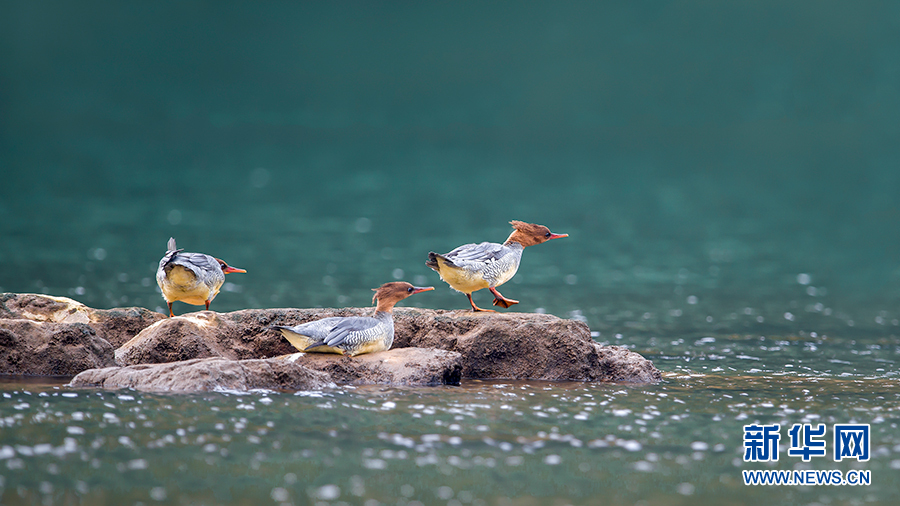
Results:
484 442
481 443
727 176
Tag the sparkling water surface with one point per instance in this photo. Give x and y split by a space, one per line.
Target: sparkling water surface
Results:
727 175
484 442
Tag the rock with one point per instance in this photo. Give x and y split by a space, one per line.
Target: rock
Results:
521 346
205 334
204 375
246 334
121 324
51 348
398 366
116 325
491 345
622 365
43 308
236 335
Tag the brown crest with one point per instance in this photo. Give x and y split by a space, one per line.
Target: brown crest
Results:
391 293
529 234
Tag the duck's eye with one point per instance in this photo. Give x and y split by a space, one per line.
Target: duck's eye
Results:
410 289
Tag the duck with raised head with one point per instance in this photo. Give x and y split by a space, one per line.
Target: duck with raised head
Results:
353 335
193 278
472 267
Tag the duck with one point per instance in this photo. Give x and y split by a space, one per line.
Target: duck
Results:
471 267
192 278
353 335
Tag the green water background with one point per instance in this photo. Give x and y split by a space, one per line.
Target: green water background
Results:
756 138
727 172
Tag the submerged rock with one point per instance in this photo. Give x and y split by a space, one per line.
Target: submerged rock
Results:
204 375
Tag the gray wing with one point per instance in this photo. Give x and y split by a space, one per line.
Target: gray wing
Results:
477 253
337 329
196 262
496 263
317 329
352 330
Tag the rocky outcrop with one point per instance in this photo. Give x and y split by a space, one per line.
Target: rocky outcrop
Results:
521 346
492 345
116 325
204 334
205 375
430 346
120 325
43 308
51 348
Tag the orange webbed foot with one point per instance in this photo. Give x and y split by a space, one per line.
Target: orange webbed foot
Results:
500 300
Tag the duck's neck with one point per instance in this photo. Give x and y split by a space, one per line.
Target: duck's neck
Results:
518 238
385 307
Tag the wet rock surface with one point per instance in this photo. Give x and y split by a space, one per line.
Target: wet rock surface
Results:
56 335
205 375
398 366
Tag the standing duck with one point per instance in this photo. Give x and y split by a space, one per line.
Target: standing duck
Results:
472 267
193 278
353 335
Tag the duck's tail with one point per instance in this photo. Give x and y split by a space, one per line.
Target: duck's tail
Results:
433 261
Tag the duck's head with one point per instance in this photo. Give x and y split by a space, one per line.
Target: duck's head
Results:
391 293
227 269
529 234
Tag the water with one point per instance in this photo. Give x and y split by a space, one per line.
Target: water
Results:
727 176
481 443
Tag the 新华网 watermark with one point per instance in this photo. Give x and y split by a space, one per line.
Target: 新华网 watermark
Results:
849 442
